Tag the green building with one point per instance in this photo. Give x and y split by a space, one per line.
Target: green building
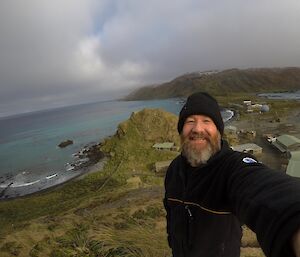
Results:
293 168
287 143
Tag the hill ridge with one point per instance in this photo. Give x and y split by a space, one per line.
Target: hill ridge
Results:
227 81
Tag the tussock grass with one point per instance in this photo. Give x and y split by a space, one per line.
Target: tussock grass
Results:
16 213
11 248
101 215
136 241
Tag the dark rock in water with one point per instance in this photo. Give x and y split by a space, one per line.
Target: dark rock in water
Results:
65 143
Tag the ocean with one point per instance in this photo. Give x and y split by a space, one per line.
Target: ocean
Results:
284 95
29 154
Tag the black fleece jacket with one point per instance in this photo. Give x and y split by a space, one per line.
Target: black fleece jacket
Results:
206 205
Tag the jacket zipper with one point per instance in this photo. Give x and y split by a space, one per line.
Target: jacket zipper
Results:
189 225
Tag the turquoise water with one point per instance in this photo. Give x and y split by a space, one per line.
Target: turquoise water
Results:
30 159
28 142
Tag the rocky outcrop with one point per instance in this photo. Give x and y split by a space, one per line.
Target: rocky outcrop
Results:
140 132
87 156
65 143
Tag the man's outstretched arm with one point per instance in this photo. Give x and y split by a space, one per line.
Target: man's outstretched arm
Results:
268 202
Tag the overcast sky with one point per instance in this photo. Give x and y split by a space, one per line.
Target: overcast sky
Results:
63 52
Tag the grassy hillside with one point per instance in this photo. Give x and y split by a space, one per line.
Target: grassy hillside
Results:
224 82
115 212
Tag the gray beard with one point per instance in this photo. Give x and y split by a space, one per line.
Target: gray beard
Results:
196 156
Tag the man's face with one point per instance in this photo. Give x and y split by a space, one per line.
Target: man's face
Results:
200 139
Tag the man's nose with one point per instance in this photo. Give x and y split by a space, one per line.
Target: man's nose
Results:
198 127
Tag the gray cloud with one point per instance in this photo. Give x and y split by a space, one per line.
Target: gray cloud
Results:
55 53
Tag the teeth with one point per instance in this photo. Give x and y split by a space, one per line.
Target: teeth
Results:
200 138
196 136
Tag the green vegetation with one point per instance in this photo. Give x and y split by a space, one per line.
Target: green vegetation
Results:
222 83
115 212
101 214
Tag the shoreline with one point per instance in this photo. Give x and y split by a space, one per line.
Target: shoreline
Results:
87 160
89 170
96 160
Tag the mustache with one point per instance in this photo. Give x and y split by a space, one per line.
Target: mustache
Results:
196 135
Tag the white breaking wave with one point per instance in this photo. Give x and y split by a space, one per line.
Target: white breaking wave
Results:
20 184
69 167
51 176
25 184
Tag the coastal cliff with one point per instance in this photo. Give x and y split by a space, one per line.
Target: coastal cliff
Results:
105 212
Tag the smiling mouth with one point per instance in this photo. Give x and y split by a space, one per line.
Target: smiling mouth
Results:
197 137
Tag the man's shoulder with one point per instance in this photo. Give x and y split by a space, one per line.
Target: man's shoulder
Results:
176 161
233 155
239 160
244 157
176 164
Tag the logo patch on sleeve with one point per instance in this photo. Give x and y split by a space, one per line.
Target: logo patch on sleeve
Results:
249 160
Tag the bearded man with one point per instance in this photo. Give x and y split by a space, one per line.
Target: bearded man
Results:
211 190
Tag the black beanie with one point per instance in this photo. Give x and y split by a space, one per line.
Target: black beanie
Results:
201 103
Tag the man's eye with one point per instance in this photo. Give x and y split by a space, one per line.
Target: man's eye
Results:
189 121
